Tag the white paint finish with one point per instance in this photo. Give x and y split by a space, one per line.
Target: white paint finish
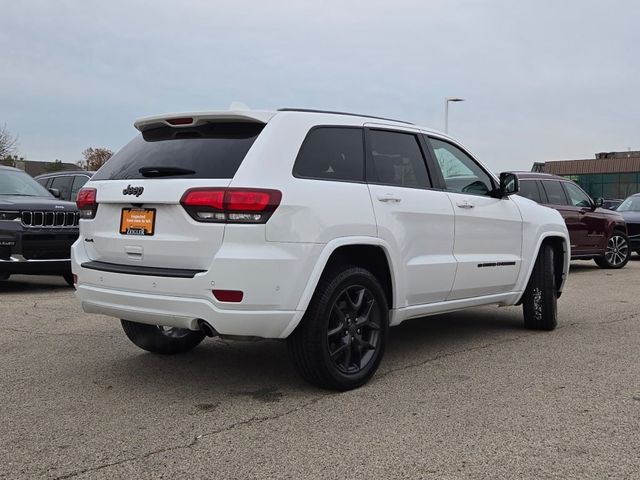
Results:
199 118
424 237
490 231
418 226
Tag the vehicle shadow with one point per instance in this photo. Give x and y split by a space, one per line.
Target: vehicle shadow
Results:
32 283
581 266
223 368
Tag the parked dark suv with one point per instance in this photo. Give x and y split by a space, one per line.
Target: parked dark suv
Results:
630 210
64 184
596 233
36 229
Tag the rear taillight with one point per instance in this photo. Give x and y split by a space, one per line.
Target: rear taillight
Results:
86 202
231 205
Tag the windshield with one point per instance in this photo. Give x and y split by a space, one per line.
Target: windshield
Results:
631 204
19 183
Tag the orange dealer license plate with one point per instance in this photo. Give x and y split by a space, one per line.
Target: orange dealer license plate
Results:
137 221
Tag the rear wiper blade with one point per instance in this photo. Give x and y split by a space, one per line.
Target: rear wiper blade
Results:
164 171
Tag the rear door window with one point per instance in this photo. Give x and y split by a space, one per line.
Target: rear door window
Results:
63 184
529 189
555 192
332 153
397 159
214 150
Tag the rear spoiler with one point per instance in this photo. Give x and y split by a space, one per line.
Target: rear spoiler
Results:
200 118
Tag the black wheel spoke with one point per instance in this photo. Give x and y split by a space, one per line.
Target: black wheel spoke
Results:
354 329
347 357
341 321
355 305
338 329
339 350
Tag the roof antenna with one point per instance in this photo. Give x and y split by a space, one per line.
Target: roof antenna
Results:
238 106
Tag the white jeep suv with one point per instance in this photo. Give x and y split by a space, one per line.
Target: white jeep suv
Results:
323 228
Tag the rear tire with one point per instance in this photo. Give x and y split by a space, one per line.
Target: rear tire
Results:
163 340
341 339
540 297
617 253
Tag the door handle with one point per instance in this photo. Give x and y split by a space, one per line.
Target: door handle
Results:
465 205
388 197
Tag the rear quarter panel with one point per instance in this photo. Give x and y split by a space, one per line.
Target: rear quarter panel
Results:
311 211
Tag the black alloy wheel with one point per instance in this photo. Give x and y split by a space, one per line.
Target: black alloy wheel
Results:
341 339
354 326
160 339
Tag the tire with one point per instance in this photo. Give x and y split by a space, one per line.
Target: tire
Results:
617 252
341 339
540 297
163 340
68 277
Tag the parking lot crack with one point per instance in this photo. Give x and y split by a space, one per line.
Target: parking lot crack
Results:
250 421
450 354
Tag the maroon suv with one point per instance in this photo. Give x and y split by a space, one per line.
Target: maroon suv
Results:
596 233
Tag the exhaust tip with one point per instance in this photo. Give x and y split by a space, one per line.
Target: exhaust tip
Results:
207 329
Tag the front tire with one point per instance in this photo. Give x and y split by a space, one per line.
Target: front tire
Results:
341 339
162 340
617 253
540 297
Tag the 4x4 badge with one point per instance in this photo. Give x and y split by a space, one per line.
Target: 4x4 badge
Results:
137 191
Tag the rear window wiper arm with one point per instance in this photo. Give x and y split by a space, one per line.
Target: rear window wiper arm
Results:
164 171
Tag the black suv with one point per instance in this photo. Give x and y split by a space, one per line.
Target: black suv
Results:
36 229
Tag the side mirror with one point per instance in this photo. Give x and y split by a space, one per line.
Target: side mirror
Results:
509 184
598 202
55 192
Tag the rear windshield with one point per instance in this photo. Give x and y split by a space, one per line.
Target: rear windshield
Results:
215 150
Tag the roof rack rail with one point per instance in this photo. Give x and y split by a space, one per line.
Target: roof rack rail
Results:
310 110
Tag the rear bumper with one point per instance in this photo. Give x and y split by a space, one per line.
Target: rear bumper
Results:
268 274
183 312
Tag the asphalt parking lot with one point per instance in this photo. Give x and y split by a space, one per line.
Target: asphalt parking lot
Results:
464 395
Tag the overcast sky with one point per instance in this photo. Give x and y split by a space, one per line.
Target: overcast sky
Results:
542 79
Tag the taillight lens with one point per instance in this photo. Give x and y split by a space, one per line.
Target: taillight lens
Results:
86 202
231 205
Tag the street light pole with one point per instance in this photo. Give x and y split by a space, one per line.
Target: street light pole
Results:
446 110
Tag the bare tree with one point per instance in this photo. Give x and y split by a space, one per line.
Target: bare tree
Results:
94 158
8 143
